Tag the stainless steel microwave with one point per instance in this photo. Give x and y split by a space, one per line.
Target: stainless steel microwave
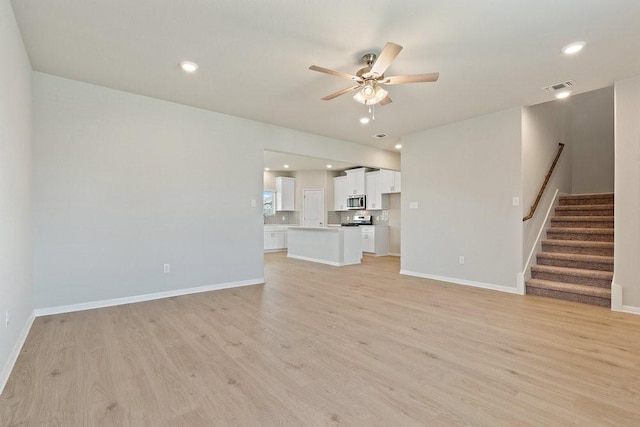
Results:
356 202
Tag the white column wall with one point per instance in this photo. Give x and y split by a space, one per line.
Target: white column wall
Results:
627 194
463 177
16 293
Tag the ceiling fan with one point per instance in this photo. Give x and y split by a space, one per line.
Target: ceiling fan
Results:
370 78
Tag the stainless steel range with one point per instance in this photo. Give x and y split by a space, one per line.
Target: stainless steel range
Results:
359 220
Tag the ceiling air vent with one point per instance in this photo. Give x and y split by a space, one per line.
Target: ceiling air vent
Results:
379 136
559 86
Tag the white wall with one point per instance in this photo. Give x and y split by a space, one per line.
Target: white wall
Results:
627 192
16 294
125 183
592 141
544 126
463 177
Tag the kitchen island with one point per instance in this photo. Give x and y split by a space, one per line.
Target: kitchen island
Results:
336 246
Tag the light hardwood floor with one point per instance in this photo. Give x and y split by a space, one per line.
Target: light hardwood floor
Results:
319 345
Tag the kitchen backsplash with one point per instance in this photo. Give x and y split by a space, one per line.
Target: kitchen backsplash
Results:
379 217
292 217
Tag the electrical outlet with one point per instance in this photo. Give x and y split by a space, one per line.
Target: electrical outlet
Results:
461 259
167 268
6 318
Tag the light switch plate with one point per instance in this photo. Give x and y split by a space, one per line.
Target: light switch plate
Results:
413 205
516 201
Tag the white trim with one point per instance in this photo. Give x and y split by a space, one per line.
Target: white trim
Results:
537 245
394 254
322 261
141 298
631 309
616 296
462 282
13 356
520 283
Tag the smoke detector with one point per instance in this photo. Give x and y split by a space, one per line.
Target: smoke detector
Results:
379 136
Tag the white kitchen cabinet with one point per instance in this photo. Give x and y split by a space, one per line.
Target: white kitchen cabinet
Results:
373 185
340 193
275 238
355 182
390 181
285 191
375 239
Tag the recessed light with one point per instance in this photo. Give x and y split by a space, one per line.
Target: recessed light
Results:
564 94
267 169
364 120
189 66
286 166
573 48
398 146
329 166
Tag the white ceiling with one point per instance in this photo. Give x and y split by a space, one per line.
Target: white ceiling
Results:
275 161
254 55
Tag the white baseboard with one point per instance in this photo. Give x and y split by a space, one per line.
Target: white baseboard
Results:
462 282
394 254
15 352
141 298
631 309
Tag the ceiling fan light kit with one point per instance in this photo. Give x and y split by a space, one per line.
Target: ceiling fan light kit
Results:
370 78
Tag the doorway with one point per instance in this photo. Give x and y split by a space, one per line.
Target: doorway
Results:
313 207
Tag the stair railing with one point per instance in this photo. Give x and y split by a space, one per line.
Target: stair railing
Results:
544 184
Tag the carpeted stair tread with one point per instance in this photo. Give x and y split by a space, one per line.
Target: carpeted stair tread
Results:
582 221
573 260
570 288
578 243
578 272
587 234
586 199
584 210
580 276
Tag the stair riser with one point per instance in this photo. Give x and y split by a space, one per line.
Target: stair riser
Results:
598 212
585 201
582 250
566 296
576 264
561 235
581 224
580 280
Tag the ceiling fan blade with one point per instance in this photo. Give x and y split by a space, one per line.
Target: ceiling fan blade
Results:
333 73
388 54
413 78
340 92
386 100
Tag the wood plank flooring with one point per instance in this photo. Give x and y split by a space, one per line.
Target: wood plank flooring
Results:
319 346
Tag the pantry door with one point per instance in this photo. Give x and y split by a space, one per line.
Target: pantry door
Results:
313 207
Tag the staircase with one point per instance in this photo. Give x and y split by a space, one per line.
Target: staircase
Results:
576 261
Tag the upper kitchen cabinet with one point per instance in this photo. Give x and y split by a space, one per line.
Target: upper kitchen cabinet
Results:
355 182
340 193
375 199
285 191
390 181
